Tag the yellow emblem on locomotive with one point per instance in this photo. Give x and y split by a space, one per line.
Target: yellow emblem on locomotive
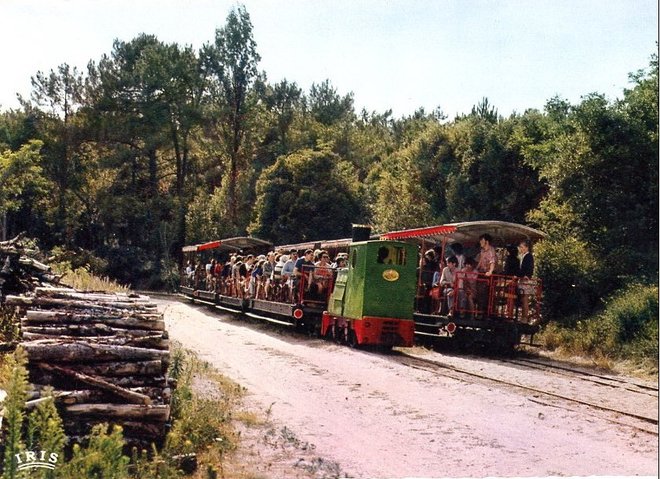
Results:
390 275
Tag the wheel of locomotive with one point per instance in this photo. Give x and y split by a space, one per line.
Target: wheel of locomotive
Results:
352 339
314 329
329 333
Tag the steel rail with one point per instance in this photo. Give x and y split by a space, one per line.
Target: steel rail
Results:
417 363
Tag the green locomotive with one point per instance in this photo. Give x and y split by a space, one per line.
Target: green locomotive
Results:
371 303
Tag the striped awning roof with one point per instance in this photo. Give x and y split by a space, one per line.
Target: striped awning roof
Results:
503 233
230 244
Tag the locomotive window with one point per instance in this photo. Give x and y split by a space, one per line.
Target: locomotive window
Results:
353 258
391 255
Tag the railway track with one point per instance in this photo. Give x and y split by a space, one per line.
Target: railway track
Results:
600 397
603 390
602 379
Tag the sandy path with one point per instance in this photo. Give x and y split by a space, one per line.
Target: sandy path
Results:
380 419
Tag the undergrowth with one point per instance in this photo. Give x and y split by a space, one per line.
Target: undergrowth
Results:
83 280
626 330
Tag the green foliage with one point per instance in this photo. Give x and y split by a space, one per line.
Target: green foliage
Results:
635 311
102 458
45 431
152 466
21 175
9 324
307 195
327 106
571 279
202 420
70 259
627 328
15 383
402 201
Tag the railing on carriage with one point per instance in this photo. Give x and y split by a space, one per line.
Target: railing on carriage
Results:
315 285
477 296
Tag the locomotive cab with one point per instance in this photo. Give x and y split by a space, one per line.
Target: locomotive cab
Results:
372 299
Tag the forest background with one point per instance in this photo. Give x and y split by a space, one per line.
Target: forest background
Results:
159 145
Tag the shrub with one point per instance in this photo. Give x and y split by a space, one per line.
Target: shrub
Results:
102 458
9 322
199 422
15 382
634 312
571 278
77 258
626 329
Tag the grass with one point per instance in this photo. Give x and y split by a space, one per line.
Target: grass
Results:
82 280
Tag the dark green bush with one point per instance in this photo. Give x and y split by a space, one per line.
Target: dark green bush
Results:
627 328
572 279
79 258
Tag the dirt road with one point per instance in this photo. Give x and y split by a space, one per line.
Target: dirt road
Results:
379 418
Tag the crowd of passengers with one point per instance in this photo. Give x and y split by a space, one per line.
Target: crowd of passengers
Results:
274 276
467 280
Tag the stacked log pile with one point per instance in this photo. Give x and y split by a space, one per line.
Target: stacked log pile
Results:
20 270
105 355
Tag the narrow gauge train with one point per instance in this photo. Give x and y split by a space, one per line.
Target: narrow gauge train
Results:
380 298
369 302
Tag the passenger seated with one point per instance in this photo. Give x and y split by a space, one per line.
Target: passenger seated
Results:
287 274
255 278
447 283
268 267
274 286
302 270
340 261
322 275
190 272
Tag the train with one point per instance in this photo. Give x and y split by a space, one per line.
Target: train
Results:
382 296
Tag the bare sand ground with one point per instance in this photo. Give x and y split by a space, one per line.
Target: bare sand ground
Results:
338 412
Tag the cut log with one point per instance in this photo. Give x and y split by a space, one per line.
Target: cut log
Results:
83 330
130 396
131 429
138 368
75 304
121 411
74 293
151 322
75 352
150 342
64 397
137 381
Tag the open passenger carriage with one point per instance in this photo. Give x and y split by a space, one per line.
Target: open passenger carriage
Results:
486 309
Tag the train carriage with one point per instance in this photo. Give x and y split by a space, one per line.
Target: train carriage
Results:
196 284
495 319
